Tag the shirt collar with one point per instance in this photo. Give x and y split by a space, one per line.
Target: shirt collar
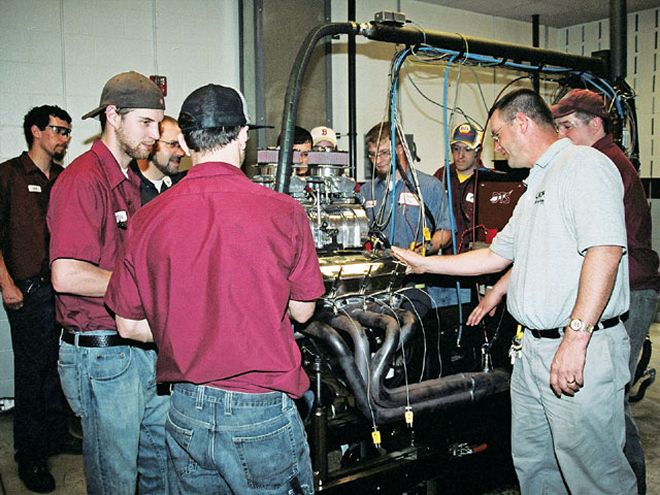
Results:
29 167
208 169
604 142
547 158
111 167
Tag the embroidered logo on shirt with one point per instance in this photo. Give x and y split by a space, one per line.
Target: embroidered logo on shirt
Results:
34 188
540 197
408 198
501 197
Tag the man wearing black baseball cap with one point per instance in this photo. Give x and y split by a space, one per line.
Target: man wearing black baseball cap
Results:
213 271
109 381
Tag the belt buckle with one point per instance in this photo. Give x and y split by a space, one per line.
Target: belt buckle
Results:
32 287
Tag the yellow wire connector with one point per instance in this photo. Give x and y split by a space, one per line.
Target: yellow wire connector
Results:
375 437
427 234
408 415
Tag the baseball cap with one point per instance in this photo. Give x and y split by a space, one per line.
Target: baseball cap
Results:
129 90
582 100
466 133
323 133
214 106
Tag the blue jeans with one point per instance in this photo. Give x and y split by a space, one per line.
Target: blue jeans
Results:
113 390
234 443
640 317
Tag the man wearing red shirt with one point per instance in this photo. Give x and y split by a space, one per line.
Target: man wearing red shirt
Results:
582 116
213 271
108 381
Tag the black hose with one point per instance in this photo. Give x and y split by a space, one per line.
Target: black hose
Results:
293 95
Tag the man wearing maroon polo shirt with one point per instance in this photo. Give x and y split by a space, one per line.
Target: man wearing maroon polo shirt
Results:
108 381
582 116
213 271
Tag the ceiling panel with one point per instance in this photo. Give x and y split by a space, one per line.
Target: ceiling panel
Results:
555 13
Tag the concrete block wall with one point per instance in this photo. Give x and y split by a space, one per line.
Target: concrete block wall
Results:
63 51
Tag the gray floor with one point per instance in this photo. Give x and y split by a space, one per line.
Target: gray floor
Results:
70 480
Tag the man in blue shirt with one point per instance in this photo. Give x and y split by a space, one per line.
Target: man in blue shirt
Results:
421 202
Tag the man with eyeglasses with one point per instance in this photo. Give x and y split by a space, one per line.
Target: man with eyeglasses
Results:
582 116
425 229
161 170
569 290
41 426
109 381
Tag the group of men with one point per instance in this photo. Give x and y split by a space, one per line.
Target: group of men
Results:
163 293
87 234
573 235
320 138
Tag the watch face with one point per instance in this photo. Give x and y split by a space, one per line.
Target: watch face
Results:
576 325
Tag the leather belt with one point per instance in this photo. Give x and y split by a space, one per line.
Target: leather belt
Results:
112 340
554 333
31 284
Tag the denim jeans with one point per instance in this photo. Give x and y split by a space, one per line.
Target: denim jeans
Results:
640 317
234 443
113 390
41 413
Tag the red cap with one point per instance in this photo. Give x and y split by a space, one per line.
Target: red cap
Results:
581 100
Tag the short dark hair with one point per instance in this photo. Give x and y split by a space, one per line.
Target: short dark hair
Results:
40 116
525 101
300 136
380 132
211 138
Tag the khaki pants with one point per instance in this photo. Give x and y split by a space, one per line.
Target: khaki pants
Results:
571 444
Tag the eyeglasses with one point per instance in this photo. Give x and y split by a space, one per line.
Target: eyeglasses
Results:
567 125
172 144
380 154
58 129
496 134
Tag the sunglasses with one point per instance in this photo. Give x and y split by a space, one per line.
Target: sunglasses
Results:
62 131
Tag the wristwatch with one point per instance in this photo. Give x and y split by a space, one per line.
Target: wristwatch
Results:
580 326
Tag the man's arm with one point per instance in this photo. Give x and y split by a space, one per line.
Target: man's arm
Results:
11 295
440 239
301 311
134 329
493 297
597 279
471 263
79 277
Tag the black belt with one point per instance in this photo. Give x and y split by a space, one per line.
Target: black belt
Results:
29 285
554 333
112 340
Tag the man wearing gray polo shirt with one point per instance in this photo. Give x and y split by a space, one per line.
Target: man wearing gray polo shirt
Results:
568 287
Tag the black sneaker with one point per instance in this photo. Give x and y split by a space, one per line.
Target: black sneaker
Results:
67 445
36 476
